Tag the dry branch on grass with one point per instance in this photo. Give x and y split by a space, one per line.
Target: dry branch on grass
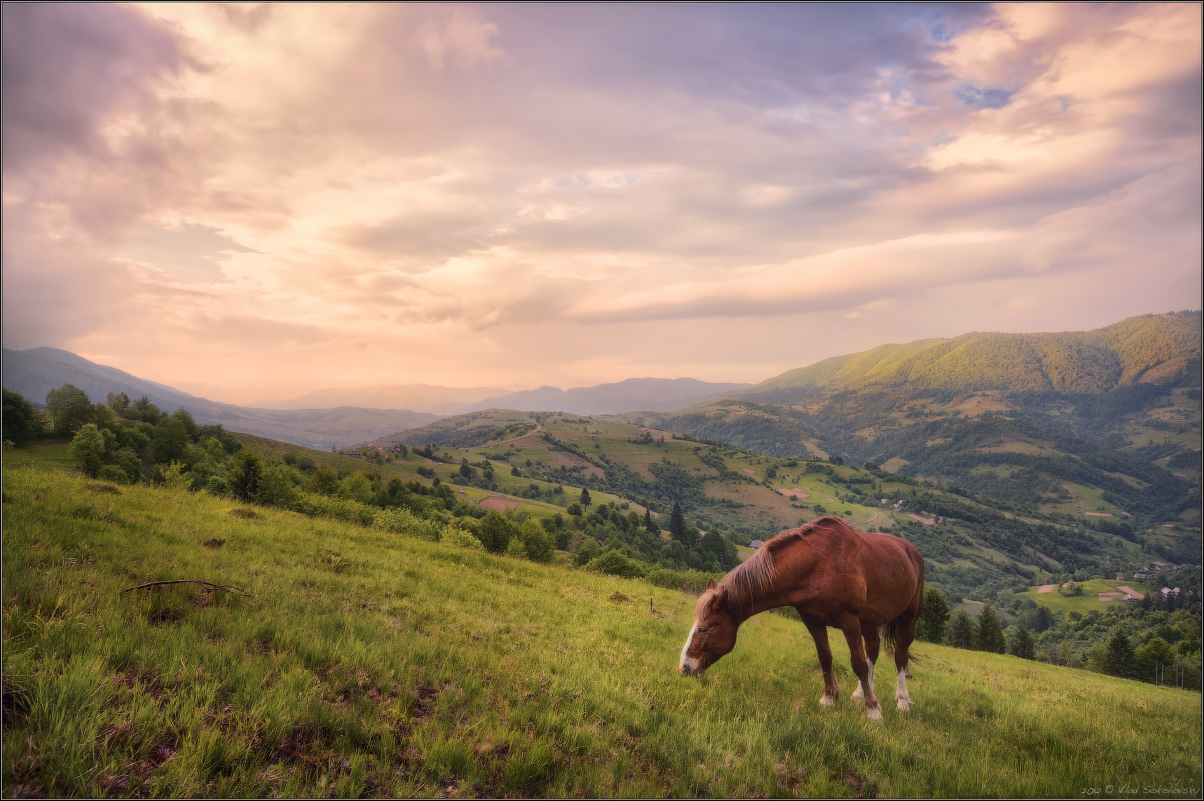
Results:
209 584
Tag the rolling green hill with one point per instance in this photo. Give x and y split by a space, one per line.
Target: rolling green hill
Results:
369 663
1102 424
974 545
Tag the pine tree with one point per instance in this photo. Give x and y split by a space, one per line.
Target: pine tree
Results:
961 631
931 625
1022 643
650 524
677 525
1118 656
585 499
989 634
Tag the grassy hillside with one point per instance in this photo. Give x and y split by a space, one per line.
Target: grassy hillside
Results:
367 663
972 547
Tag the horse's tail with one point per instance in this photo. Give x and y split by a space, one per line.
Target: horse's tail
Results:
913 612
889 635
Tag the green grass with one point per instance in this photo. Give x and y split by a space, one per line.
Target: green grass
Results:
375 664
1087 602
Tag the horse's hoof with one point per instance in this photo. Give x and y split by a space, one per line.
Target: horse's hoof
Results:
903 704
827 700
875 714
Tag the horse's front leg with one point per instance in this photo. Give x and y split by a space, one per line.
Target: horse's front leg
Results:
862 667
819 633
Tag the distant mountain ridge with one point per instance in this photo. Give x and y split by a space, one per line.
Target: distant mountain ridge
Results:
36 371
634 394
415 397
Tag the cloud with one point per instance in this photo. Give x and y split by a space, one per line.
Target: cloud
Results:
450 189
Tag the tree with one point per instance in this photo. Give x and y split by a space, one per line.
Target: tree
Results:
69 408
21 421
244 475
143 410
324 481
585 499
677 526
1115 657
989 634
1153 660
88 448
961 630
495 532
934 618
1022 643
537 541
169 440
649 524
118 401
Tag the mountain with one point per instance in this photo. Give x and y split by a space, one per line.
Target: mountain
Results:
415 397
1105 420
36 371
1140 350
646 394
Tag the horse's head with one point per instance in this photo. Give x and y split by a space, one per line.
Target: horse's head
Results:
714 632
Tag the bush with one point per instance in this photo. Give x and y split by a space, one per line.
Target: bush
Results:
111 472
458 536
691 581
614 563
216 485
402 521
336 508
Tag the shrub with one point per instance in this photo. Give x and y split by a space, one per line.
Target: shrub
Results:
336 508
111 472
402 521
216 485
614 563
458 536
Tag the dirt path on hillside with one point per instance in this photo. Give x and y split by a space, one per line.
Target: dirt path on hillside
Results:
530 433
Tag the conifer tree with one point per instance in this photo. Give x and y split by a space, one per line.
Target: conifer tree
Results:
677 525
932 622
961 631
1118 656
650 524
1022 643
989 634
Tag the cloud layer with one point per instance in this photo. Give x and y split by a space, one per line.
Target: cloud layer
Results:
257 201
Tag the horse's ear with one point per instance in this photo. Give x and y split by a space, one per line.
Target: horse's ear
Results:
710 584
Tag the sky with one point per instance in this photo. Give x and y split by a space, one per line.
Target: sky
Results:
255 201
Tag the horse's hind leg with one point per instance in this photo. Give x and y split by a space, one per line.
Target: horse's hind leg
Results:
819 633
905 634
872 644
862 666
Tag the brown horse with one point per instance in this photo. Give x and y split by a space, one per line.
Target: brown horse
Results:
834 576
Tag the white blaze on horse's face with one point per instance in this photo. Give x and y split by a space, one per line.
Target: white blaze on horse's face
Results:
713 634
688 665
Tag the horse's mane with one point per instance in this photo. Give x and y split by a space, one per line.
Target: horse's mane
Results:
755 576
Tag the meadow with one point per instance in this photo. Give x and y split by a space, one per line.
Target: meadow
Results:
368 663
